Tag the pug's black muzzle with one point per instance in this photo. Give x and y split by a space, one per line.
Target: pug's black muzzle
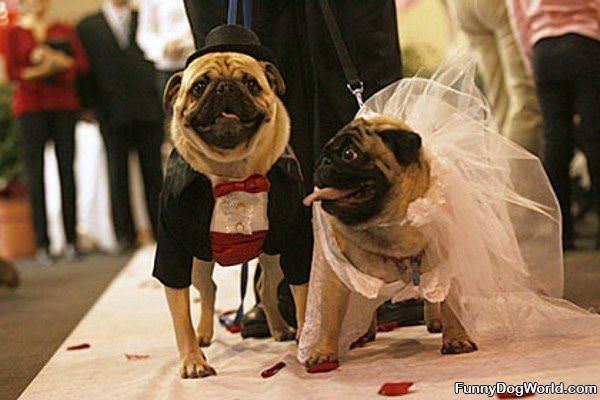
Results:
369 186
227 115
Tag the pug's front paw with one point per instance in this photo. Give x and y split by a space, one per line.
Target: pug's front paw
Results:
322 354
193 365
283 334
458 346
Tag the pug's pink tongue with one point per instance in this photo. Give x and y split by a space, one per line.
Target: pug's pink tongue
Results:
327 193
229 115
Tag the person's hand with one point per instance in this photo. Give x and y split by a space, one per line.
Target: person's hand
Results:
43 69
49 60
38 54
60 61
175 50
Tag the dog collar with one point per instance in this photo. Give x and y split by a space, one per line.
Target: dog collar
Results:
413 262
253 184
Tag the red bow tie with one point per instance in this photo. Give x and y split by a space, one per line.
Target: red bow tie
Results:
254 184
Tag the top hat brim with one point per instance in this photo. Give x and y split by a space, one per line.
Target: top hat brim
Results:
259 52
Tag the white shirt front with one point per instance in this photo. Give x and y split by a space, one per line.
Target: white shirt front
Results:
119 21
160 23
240 212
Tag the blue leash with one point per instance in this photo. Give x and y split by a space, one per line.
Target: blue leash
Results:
224 319
232 13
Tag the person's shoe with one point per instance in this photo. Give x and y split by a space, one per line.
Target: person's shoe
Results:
72 253
43 257
254 323
285 304
405 313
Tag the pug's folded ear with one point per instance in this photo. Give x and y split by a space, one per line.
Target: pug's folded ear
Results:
171 90
274 77
404 144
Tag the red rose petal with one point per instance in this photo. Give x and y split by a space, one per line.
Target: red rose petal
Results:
323 367
269 372
513 395
234 328
387 326
362 341
130 357
79 347
395 388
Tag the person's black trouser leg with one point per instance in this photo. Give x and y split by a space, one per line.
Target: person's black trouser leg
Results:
565 70
556 102
117 151
587 105
63 134
149 138
35 133
36 130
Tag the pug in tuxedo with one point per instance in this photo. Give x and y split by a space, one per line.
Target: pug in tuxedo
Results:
367 176
231 184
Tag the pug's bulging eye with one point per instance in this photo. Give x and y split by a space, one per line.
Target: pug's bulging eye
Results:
198 88
253 86
349 154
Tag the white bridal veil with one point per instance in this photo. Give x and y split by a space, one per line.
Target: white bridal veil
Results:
490 216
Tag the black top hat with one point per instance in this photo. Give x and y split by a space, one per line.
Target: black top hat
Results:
234 38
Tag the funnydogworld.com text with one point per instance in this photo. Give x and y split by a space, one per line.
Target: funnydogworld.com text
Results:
524 388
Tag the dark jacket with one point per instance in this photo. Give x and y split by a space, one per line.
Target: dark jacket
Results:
317 99
121 87
186 208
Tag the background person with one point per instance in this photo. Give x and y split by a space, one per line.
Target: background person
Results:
562 41
121 90
507 84
165 36
45 59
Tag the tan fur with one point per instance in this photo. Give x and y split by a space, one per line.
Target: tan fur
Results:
370 245
256 156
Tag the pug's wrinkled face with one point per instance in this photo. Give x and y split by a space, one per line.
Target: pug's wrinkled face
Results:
359 166
221 102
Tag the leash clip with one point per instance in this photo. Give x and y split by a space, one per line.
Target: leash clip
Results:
357 91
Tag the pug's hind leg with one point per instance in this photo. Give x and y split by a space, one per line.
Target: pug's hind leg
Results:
272 276
202 280
433 317
300 292
334 306
455 338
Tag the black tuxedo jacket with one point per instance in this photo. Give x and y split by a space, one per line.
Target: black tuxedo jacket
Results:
185 215
121 86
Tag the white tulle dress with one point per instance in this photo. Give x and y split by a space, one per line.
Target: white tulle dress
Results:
490 215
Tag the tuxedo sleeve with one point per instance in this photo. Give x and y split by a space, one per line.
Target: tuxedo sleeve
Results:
290 232
172 262
296 257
